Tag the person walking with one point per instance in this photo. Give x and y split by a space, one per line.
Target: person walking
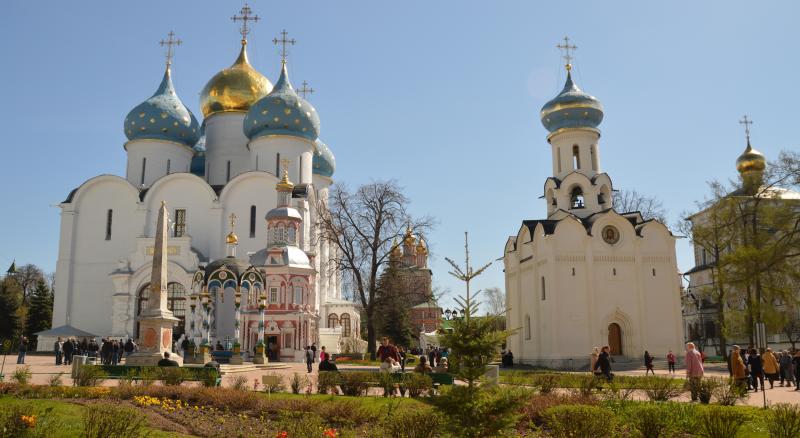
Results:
604 363
58 349
785 368
756 364
314 351
593 359
770 367
309 358
23 349
648 363
738 368
671 361
694 369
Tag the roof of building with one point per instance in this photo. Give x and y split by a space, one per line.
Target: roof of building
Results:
66 331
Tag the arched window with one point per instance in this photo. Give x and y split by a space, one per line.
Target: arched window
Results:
544 290
333 320
176 302
527 327
345 322
576 157
576 198
252 221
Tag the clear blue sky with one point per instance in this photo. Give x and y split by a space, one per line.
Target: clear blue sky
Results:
443 96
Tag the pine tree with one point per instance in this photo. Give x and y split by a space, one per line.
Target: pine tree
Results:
10 302
40 310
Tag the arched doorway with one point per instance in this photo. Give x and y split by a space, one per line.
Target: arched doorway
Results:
615 339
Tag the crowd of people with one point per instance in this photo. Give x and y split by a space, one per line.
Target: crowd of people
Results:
750 368
109 351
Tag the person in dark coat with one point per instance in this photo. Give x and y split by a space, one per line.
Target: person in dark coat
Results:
23 349
756 369
69 350
309 359
604 363
167 362
648 363
326 364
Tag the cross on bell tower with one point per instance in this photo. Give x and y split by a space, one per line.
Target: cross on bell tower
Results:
170 42
246 15
283 42
746 122
566 48
305 90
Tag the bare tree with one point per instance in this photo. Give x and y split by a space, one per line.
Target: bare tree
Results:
28 278
495 301
630 200
361 225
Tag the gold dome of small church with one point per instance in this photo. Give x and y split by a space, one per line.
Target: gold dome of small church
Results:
751 160
235 88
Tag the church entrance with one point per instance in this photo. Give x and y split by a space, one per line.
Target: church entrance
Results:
272 348
615 339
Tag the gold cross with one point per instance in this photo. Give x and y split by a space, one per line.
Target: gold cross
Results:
305 90
565 48
170 42
244 18
746 122
233 218
283 42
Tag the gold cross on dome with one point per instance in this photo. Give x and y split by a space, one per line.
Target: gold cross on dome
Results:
246 15
565 48
305 90
170 42
746 122
285 164
283 42
233 218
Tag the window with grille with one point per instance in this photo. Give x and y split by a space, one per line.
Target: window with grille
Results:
180 223
298 295
344 320
273 295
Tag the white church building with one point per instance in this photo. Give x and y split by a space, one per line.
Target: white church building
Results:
586 275
230 164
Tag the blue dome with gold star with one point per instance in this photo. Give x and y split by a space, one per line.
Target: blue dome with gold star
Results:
282 112
323 163
163 117
572 108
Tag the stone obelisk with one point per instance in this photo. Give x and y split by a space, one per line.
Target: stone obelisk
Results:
156 321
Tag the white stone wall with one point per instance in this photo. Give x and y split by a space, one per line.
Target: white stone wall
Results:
162 158
225 141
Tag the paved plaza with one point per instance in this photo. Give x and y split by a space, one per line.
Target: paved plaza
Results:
43 367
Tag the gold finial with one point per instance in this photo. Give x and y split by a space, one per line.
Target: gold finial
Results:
422 247
244 18
746 122
409 237
565 48
232 238
170 42
284 183
305 90
283 42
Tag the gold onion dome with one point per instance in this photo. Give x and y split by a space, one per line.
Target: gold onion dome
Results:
284 184
751 160
235 88
232 239
396 251
409 238
422 247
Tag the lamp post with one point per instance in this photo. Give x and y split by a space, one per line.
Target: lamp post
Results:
236 357
262 306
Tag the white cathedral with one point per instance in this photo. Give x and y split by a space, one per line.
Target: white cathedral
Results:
229 166
587 275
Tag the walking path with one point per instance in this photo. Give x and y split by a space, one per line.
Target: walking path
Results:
43 367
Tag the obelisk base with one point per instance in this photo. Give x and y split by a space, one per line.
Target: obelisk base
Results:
155 337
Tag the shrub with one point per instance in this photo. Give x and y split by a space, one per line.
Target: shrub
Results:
730 392
534 407
327 382
479 412
580 421
651 421
546 383
586 385
354 383
417 384
344 413
55 380
25 421
147 376
784 421
101 420
616 391
22 375
719 422
297 424
238 383
298 382
173 376
661 388
416 423
88 375
209 379
705 389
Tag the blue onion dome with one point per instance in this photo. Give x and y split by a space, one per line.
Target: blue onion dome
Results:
163 117
324 162
572 108
198 164
282 112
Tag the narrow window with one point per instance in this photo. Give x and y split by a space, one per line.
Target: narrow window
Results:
614 271
144 166
228 172
108 223
544 290
252 221
169 163
527 327
298 295
180 223
593 151
257 162
278 164
273 295
576 157
558 152
654 272
300 171
573 271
